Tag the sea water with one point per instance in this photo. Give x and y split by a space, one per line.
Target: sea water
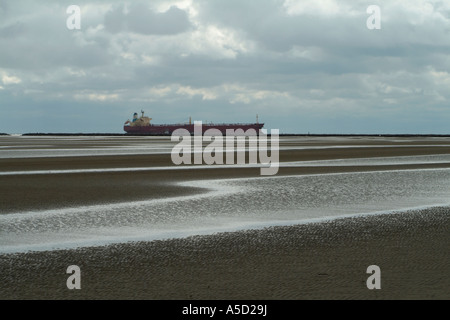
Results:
229 205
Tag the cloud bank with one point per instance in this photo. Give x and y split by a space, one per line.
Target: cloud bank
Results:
302 66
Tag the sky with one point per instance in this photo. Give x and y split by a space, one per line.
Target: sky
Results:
302 66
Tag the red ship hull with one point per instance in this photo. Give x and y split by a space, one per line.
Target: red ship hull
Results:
167 129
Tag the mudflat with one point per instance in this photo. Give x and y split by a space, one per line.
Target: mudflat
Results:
325 260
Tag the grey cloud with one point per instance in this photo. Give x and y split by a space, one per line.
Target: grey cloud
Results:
266 22
38 39
43 55
3 7
13 30
338 76
140 19
115 19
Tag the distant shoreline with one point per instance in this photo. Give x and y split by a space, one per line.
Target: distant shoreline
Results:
281 134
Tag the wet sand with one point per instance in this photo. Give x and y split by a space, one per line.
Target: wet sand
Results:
31 192
325 260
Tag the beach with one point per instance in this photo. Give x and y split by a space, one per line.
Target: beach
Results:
317 261
318 246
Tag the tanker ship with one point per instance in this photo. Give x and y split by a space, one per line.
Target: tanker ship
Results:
142 125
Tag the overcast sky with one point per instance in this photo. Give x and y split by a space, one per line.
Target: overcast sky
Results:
301 65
